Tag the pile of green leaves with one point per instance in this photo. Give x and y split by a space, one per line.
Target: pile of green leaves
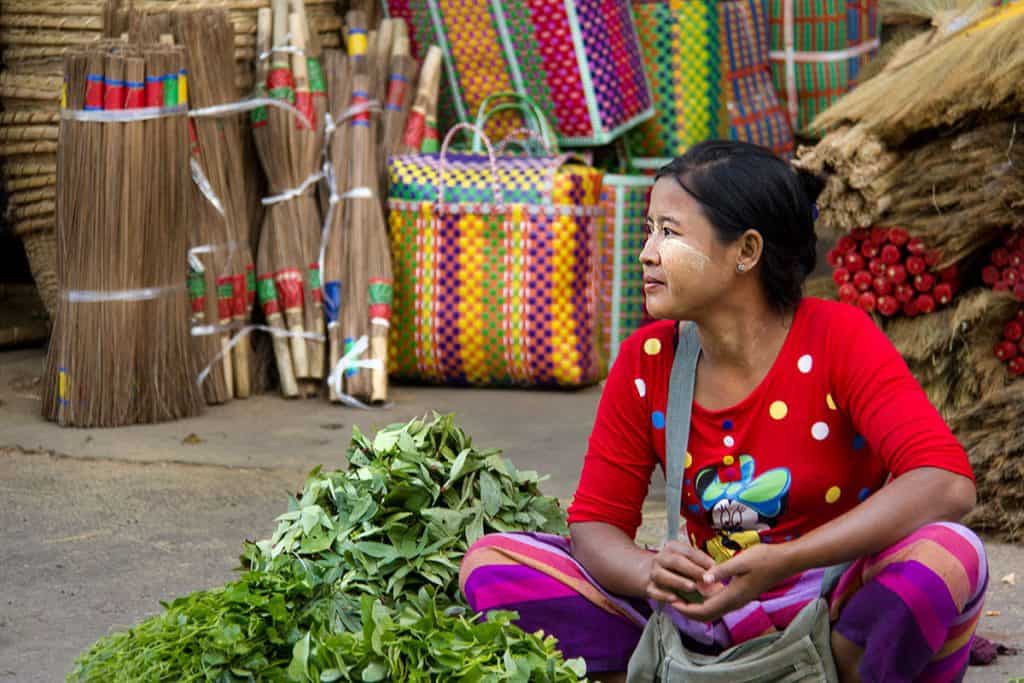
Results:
360 579
422 643
402 516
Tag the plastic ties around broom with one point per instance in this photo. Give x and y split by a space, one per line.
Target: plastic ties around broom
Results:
242 332
317 176
350 361
150 113
193 258
203 183
93 296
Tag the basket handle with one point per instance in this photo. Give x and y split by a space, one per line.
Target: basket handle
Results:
522 104
442 163
522 136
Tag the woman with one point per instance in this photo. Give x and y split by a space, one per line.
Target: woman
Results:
810 445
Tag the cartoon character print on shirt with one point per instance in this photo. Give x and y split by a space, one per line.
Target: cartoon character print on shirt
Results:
738 504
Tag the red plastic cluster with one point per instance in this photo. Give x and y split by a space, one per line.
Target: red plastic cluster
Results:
1010 348
886 270
1005 273
1005 269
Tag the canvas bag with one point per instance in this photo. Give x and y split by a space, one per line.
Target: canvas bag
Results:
495 265
800 654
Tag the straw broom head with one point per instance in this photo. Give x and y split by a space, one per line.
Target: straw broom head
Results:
970 71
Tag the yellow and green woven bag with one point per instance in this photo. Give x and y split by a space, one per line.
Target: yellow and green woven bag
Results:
681 43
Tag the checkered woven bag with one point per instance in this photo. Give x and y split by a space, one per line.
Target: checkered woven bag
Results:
625 198
579 59
755 112
681 42
495 267
817 49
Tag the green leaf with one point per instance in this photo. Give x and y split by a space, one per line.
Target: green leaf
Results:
458 467
578 666
330 675
475 530
375 671
298 669
377 550
490 493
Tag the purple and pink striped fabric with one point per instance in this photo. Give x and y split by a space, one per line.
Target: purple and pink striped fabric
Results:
913 607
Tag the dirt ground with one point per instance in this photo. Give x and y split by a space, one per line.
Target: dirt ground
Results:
98 526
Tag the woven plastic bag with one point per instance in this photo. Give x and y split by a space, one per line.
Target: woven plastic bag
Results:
681 42
496 268
817 49
756 114
578 59
625 198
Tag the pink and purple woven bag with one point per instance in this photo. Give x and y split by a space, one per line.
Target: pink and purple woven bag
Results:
578 59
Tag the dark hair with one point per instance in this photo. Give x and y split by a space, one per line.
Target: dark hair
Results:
741 186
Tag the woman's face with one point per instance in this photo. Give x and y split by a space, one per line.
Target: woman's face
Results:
685 267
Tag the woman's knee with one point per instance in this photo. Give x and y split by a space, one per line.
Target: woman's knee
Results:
949 550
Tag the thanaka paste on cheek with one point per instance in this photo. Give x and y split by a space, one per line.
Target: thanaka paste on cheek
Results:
678 256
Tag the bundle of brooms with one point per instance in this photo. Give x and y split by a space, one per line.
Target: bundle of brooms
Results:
372 99
35 36
120 351
365 252
990 432
222 284
290 149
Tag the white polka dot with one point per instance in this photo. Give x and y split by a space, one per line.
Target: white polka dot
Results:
641 387
819 431
729 441
805 363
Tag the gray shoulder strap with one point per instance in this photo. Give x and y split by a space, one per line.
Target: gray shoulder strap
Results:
677 428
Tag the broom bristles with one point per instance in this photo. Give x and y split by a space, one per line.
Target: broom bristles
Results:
974 70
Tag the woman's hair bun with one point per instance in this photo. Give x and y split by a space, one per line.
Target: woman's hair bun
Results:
812 183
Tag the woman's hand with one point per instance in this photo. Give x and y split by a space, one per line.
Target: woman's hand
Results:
678 569
753 572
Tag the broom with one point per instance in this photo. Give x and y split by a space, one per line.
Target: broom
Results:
174 392
369 255
207 37
425 102
266 289
280 250
339 87
355 311
308 148
398 98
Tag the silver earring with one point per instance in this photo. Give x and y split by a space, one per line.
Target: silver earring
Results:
741 267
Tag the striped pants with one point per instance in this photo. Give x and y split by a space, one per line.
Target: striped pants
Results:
913 607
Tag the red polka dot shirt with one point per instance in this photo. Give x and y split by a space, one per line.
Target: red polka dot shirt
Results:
836 415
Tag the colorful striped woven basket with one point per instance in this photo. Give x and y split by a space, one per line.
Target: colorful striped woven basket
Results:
817 49
496 269
682 49
625 198
579 59
755 112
